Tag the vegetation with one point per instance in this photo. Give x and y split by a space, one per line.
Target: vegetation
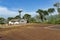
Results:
9 18
51 10
57 5
2 20
44 16
27 17
16 17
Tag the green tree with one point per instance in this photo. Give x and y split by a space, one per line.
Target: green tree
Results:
32 20
37 18
10 18
40 12
51 10
17 17
2 20
27 16
58 10
45 14
57 5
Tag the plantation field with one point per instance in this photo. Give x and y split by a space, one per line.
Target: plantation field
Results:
29 32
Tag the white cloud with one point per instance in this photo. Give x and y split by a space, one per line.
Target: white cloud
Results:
5 12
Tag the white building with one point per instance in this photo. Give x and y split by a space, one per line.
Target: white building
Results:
17 21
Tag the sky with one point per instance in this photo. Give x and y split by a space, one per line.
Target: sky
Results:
9 8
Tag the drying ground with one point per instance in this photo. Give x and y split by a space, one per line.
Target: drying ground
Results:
29 32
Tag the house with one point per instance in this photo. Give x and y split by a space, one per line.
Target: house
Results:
18 21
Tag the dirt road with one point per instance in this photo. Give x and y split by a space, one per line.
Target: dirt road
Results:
30 32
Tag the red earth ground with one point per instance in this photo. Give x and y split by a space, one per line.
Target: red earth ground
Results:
30 32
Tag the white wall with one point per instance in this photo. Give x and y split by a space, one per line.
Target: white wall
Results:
21 22
13 22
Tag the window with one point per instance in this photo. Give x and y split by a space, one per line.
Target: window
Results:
22 21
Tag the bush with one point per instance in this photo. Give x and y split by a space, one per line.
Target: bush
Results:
2 23
57 21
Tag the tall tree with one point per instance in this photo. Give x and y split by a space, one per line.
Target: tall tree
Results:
59 10
45 13
40 12
51 10
57 5
27 16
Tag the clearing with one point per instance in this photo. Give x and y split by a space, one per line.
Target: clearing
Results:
30 32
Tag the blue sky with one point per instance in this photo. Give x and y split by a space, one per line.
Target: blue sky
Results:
28 6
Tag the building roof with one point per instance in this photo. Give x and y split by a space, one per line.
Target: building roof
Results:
17 20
